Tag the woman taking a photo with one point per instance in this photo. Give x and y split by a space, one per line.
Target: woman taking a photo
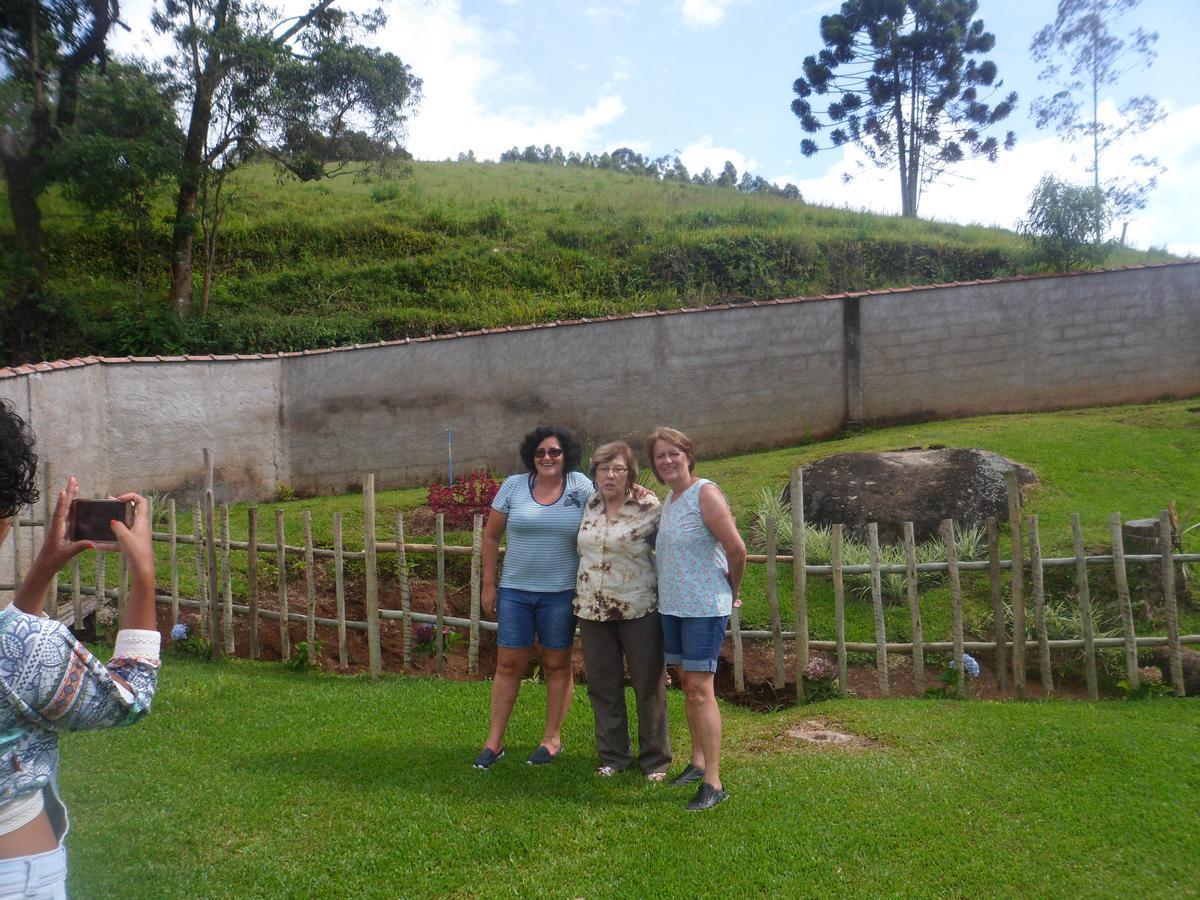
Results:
49 682
701 558
540 509
616 602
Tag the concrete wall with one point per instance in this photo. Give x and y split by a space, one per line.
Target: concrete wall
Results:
1037 344
735 378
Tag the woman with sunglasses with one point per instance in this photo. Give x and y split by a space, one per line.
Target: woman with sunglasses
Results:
616 601
700 559
540 509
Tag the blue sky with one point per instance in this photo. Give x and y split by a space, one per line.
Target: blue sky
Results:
711 80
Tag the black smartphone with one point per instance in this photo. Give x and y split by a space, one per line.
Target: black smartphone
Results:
90 520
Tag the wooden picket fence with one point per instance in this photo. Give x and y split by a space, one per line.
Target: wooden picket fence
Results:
213 547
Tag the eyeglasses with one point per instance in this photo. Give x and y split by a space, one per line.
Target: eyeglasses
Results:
612 470
552 452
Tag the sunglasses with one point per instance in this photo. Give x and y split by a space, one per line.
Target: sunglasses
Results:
552 452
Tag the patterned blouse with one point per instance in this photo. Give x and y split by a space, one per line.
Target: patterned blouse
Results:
616 559
693 577
51 683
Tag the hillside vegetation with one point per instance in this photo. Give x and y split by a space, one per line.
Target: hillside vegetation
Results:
455 246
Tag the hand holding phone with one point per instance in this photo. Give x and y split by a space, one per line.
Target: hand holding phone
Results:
91 520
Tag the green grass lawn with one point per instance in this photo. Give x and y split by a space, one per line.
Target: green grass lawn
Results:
250 780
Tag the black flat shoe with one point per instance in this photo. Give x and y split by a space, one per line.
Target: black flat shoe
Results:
688 776
706 798
488 757
542 757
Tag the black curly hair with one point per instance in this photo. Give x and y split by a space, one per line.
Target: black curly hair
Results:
18 463
572 452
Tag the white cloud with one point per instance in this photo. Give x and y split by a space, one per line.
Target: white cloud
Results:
998 194
705 13
451 52
703 154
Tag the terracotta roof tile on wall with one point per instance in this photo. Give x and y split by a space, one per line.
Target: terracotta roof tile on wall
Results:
31 368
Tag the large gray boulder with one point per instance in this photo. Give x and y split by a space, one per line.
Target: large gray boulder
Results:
922 486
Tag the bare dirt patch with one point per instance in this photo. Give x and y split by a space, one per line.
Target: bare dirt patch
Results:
823 734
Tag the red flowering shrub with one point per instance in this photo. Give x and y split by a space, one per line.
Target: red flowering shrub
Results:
459 502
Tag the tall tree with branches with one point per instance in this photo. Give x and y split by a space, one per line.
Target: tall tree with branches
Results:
46 48
1084 56
905 87
295 89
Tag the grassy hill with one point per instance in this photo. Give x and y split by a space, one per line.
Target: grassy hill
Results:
455 246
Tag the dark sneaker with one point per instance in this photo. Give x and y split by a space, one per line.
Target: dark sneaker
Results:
706 798
687 776
488 757
542 756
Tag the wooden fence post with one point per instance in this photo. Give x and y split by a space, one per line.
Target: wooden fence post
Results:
227 568
405 596
956 618
1168 586
440 637
1039 604
1085 610
1018 582
101 578
799 578
252 578
914 608
999 625
285 644
210 537
339 589
201 573
48 492
839 606
372 582
881 660
773 603
122 586
476 582
310 595
76 595
173 540
1121 576
739 661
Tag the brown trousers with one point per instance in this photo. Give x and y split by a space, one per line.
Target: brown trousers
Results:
607 648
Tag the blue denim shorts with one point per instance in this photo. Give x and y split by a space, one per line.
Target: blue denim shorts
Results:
693 643
39 875
549 615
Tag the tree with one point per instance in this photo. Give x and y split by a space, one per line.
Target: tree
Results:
115 157
1080 36
1061 223
46 47
289 88
905 88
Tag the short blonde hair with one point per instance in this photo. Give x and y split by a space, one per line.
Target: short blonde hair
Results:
606 453
671 436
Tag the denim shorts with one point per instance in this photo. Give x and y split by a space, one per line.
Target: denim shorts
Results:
693 643
550 615
42 875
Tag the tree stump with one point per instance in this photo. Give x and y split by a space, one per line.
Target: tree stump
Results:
1141 537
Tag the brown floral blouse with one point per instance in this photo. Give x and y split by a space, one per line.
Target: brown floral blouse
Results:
616 558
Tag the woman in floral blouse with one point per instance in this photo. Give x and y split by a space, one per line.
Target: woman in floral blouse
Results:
616 602
50 683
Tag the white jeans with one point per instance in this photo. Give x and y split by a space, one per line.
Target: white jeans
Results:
42 875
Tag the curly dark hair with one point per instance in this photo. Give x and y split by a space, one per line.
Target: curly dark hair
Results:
572 452
18 463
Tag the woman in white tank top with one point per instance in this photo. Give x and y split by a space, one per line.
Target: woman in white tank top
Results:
700 559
